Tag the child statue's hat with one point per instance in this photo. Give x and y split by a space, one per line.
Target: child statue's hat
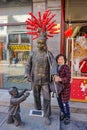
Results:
13 90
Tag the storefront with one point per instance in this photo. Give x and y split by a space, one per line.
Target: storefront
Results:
13 30
19 47
76 47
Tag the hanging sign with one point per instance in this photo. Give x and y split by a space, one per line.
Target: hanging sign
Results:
20 47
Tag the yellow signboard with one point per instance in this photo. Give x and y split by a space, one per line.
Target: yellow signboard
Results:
20 47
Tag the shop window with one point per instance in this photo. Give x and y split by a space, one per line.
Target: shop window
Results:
76 53
13 38
18 38
24 38
1 28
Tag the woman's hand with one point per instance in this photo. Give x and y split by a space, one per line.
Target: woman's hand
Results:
57 79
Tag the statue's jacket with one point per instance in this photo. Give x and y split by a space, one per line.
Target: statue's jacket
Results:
40 67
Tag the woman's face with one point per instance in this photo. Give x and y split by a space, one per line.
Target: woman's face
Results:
61 60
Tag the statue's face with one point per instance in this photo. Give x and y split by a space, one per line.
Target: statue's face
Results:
15 93
41 46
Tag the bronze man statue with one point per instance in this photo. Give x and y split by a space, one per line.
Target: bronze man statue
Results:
40 63
38 68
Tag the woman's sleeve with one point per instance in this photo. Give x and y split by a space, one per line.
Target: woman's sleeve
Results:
67 75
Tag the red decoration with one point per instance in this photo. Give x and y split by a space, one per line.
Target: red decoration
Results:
85 35
83 66
68 32
77 94
44 23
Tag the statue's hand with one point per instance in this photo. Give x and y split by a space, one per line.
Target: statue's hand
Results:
27 78
26 93
25 90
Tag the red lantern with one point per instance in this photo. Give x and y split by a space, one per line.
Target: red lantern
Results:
68 32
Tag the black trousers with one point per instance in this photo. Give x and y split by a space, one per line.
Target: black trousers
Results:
64 107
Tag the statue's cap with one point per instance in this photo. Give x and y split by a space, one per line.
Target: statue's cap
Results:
13 90
42 40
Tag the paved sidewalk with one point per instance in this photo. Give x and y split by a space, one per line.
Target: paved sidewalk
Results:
32 123
78 115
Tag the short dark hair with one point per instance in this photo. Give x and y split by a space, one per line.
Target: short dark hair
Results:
59 55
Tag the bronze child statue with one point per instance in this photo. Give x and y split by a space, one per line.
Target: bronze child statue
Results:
14 108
